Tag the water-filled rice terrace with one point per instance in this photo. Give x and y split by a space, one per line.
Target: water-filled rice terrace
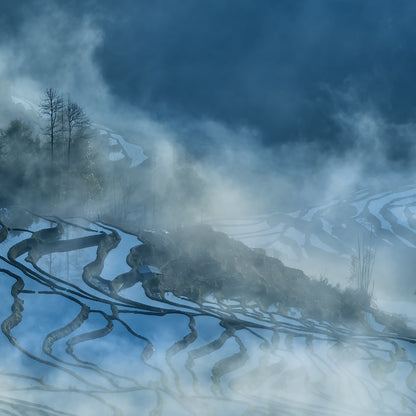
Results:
74 343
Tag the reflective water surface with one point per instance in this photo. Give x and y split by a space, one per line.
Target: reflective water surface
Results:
73 345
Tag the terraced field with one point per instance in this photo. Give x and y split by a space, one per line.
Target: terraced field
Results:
75 343
321 239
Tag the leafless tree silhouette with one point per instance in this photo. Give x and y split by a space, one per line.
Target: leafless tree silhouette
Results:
51 106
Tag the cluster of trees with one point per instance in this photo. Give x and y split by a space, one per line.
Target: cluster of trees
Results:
18 168
54 167
64 169
66 121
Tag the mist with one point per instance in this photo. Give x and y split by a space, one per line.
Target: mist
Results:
73 49
287 126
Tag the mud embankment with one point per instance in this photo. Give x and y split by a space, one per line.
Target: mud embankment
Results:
92 271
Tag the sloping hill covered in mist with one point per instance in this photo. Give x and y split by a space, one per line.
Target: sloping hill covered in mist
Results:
323 238
89 169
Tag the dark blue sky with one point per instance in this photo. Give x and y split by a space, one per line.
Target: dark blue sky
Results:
282 67
285 68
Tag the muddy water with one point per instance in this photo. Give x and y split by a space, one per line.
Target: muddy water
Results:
72 345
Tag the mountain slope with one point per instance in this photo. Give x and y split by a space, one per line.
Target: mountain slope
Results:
321 239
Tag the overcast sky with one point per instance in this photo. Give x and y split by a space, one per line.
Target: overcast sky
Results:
325 73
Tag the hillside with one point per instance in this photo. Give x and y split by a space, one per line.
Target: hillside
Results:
323 238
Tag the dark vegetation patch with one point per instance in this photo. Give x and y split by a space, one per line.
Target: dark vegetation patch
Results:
197 261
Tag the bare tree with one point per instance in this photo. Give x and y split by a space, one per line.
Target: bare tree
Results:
76 119
362 263
51 106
